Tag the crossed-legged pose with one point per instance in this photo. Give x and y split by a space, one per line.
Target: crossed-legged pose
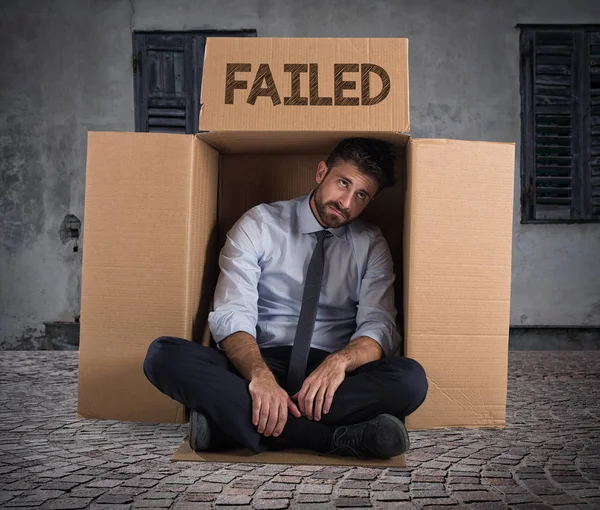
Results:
304 321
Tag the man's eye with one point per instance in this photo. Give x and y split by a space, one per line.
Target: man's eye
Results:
343 183
362 196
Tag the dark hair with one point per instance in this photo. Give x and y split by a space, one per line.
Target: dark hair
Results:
372 157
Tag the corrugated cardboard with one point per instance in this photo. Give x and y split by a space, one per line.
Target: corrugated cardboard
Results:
457 278
186 454
305 85
150 212
157 208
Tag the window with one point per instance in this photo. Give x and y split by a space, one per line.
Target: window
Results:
560 123
167 70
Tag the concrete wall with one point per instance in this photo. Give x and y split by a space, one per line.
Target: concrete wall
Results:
66 69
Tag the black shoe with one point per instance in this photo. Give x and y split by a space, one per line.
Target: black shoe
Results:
382 437
204 434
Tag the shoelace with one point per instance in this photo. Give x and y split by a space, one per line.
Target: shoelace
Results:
350 446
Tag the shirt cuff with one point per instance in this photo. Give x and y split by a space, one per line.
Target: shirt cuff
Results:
223 324
385 335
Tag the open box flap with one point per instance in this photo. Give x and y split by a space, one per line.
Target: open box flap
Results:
149 212
457 270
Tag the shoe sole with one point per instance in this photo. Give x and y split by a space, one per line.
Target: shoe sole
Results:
395 440
199 438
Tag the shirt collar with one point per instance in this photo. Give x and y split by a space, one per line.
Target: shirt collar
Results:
309 224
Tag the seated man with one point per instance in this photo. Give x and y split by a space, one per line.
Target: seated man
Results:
304 323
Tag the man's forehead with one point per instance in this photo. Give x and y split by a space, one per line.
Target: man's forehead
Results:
350 170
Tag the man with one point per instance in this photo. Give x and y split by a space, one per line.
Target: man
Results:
304 323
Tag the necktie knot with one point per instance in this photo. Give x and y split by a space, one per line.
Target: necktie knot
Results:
323 234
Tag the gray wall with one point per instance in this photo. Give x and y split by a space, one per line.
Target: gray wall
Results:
66 69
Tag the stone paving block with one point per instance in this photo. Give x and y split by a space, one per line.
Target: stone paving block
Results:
312 498
352 502
498 481
205 487
67 503
391 496
466 487
560 499
223 477
287 479
353 493
86 492
426 502
104 483
531 506
474 496
152 503
78 478
275 494
428 494
270 504
200 497
521 497
378 486
191 505
395 479
145 483
481 505
224 499
363 474
95 506
311 488
153 494
115 499
60 485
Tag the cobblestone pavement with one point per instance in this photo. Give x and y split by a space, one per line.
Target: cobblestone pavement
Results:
547 457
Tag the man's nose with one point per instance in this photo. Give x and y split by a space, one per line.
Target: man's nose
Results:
345 201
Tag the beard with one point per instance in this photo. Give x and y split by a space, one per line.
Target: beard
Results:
328 217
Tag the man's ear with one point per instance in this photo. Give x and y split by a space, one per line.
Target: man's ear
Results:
321 172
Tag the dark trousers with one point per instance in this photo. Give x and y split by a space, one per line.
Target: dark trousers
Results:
203 378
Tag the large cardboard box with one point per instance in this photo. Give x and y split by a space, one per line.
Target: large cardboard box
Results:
158 206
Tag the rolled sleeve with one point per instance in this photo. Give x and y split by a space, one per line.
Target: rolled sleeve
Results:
376 311
236 294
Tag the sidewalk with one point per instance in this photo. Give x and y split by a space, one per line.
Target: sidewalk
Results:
547 457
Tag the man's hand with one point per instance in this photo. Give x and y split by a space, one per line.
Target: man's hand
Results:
316 395
270 405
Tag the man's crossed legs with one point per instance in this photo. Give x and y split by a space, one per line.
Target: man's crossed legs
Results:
204 380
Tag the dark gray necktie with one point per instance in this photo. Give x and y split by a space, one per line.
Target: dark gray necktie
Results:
308 314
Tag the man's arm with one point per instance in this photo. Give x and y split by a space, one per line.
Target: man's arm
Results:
270 402
233 322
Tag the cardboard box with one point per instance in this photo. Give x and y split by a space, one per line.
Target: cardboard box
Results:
158 205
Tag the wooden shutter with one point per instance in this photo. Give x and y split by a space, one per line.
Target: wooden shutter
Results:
550 122
593 121
560 97
164 67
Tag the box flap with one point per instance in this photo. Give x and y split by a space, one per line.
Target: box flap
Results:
276 84
149 211
458 245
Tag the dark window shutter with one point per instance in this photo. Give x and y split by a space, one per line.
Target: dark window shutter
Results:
164 71
560 114
593 122
168 77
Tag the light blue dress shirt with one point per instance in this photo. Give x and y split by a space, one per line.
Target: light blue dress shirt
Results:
263 264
